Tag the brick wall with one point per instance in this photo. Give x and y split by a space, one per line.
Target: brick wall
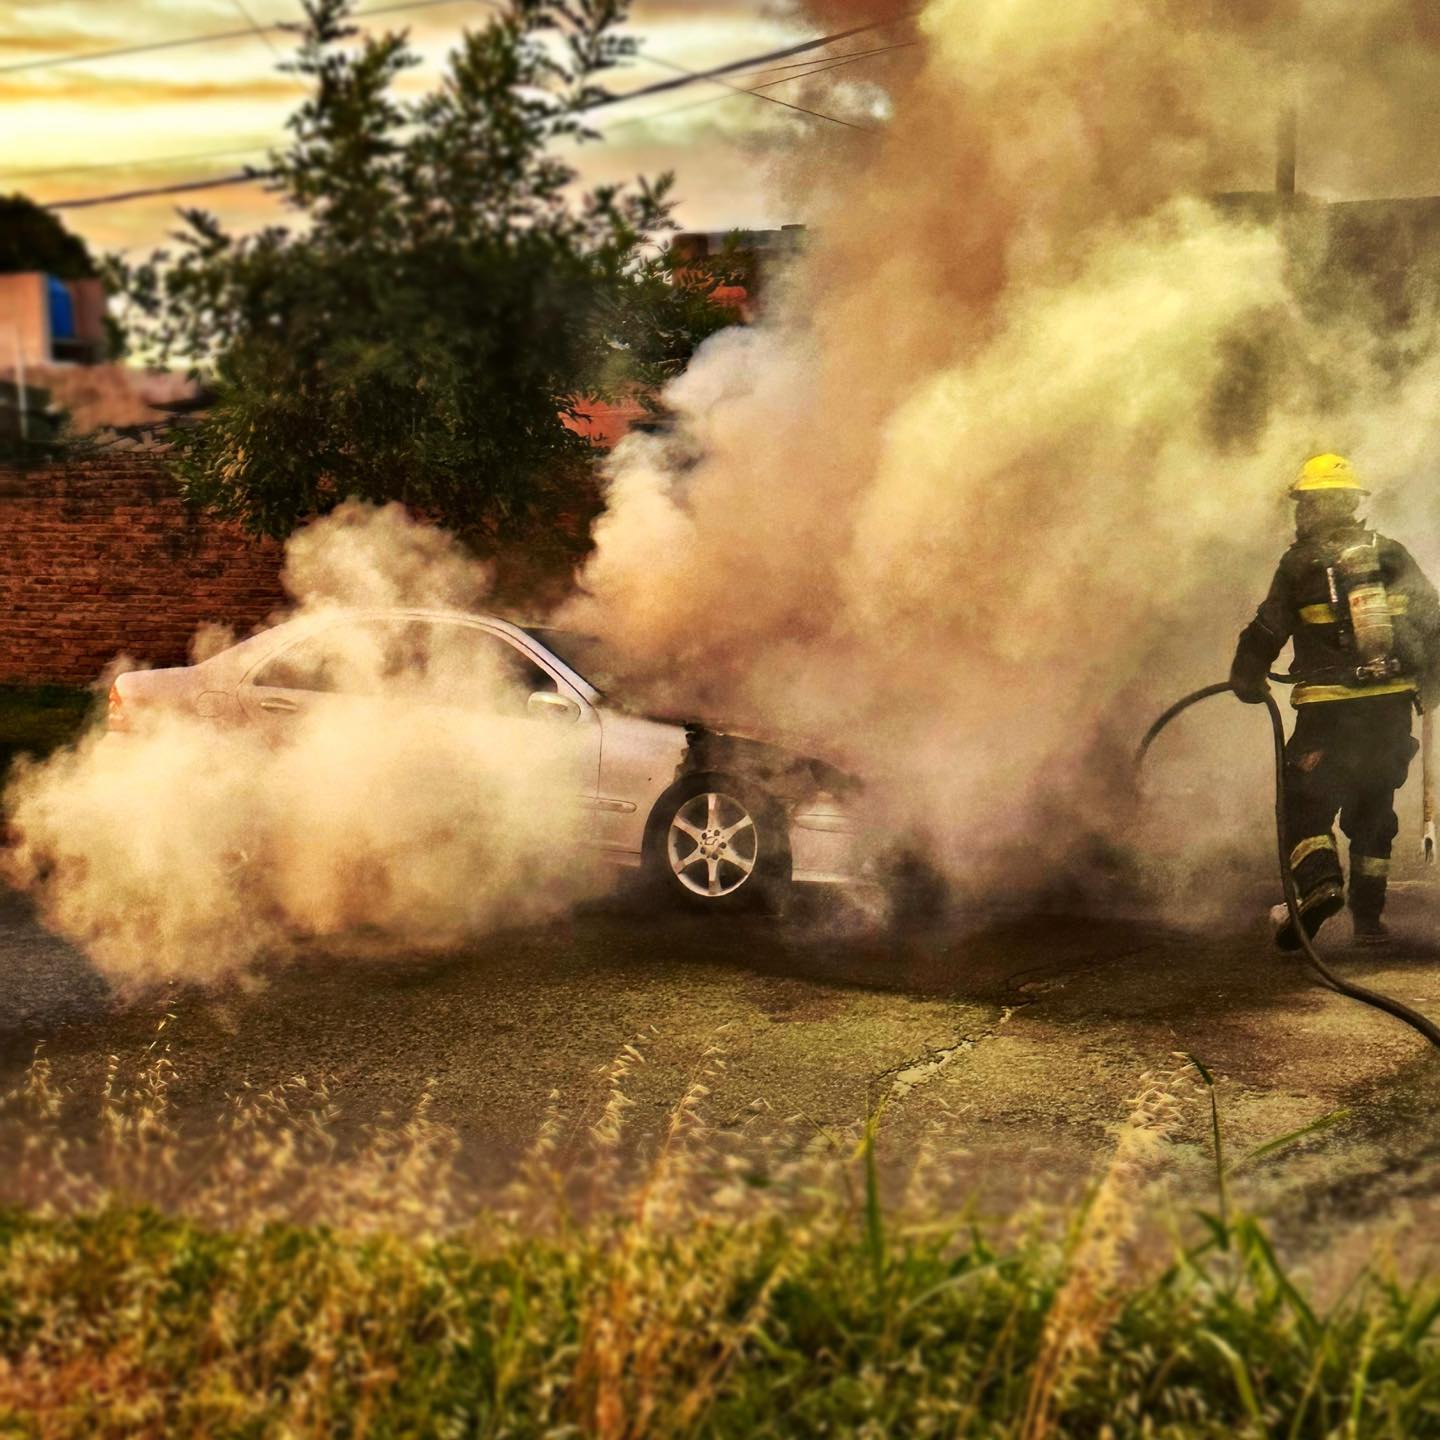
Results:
102 556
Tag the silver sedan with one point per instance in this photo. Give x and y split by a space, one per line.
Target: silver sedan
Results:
717 819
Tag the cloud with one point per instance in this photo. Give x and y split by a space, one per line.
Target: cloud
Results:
16 46
76 87
225 96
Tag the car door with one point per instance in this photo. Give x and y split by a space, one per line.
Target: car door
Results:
388 664
475 663
316 668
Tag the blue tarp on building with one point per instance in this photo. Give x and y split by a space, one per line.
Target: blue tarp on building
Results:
62 309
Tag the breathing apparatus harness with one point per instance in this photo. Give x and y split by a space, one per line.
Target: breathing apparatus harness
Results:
1362 610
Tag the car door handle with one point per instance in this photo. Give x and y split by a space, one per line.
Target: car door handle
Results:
280 704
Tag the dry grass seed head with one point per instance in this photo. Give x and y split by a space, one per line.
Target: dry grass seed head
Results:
1082 1305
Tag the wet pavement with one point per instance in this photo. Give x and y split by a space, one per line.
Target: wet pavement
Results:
1012 1045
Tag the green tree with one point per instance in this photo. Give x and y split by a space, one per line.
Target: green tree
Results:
31 238
446 296
656 322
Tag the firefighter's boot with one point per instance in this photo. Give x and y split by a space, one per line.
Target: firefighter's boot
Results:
1368 876
1316 869
1312 917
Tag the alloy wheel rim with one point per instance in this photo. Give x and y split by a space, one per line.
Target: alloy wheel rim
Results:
713 845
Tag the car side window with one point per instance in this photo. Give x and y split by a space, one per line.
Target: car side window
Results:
433 661
341 659
470 666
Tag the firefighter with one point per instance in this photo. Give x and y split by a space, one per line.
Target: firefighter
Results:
1365 624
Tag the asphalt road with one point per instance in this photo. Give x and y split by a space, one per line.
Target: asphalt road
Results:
1012 1044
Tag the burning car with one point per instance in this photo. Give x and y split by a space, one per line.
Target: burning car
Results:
717 820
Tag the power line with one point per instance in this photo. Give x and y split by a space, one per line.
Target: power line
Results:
818 69
771 99
659 87
805 67
848 55
246 177
812 66
254 24
140 163
210 37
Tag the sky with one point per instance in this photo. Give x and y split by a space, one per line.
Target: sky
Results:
100 125
96 126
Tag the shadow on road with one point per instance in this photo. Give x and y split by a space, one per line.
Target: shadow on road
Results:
1090 971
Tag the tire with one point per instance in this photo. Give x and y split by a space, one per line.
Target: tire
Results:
716 844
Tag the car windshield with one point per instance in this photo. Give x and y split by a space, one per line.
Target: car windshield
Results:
587 655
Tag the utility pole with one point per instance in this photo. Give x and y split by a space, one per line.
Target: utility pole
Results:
1287 134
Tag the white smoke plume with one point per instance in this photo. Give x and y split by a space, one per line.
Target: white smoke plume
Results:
407 810
999 474
1002 471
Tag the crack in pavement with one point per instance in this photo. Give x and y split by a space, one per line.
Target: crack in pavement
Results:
909 1075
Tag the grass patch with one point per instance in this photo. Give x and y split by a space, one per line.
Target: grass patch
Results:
123 1322
36 719
254 1277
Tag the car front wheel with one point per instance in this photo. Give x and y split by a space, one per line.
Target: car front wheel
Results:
716 844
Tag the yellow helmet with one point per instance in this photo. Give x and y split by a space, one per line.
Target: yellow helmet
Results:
1326 472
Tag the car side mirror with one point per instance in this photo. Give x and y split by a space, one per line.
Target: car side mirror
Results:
547 705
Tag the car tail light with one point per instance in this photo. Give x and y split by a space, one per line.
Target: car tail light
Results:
115 716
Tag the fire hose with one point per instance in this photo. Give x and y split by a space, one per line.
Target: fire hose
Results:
1328 977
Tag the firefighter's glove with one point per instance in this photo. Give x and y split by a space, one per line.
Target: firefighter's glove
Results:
1252 689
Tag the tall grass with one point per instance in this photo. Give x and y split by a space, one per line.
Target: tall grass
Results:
266 1279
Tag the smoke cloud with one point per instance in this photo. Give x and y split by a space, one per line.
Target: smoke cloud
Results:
1002 471
409 803
999 474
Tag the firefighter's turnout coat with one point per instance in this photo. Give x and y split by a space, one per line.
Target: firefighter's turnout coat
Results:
1351 747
